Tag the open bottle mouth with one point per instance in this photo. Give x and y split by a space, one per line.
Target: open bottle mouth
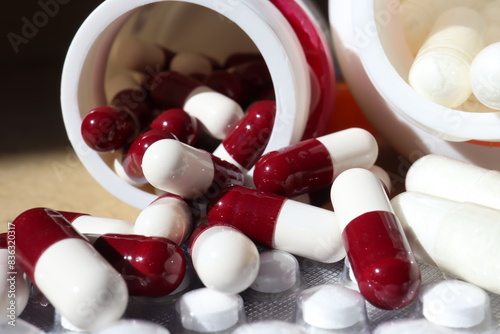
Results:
386 58
300 75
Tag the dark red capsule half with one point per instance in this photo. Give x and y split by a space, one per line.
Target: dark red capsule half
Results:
386 271
294 170
106 129
151 266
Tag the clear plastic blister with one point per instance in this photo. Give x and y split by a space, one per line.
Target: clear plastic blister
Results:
257 306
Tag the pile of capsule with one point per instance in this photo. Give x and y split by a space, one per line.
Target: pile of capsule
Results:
456 45
235 230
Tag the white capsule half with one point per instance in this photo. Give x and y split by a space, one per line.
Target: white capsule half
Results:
353 147
216 112
177 168
81 284
440 71
167 217
86 224
225 259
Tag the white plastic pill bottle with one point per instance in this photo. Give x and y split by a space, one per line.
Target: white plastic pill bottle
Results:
375 59
289 34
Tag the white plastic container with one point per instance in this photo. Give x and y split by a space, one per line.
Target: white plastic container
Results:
218 29
375 60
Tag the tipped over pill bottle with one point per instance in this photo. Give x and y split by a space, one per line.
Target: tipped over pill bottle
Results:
123 43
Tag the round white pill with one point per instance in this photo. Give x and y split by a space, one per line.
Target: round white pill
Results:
331 306
206 310
485 76
133 327
278 272
454 303
411 326
269 327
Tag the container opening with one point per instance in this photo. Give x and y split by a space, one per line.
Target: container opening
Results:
170 26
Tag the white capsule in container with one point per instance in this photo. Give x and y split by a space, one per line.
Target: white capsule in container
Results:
457 237
375 61
485 76
206 310
440 71
457 304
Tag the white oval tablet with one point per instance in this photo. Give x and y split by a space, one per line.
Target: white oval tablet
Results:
206 310
454 303
278 272
332 306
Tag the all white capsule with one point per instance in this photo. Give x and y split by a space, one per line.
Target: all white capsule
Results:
459 238
453 179
440 71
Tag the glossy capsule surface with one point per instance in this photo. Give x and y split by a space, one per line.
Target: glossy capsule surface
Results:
280 223
106 129
186 171
151 266
246 143
132 162
71 274
314 163
179 123
381 259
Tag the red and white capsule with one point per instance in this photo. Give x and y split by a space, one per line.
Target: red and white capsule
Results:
314 163
280 223
180 169
224 258
151 266
217 113
381 259
70 273
245 144
130 166
168 216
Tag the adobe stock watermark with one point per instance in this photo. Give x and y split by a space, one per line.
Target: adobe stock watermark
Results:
30 26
